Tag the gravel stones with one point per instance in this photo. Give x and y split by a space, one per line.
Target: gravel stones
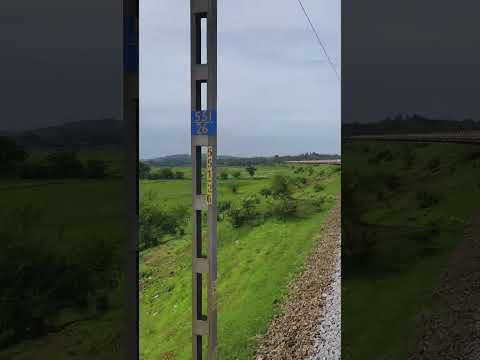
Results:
452 331
308 326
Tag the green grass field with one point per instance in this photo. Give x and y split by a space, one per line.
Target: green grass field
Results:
57 223
383 295
255 264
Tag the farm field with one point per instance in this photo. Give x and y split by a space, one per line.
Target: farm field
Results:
256 259
44 222
411 203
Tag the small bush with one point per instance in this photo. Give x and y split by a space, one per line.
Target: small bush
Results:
236 174
318 187
224 175
144 170
245 212
319 202
251 170
166 173
179 175
426 200
266 192
281 186
156 221
222 208
233 187
284 208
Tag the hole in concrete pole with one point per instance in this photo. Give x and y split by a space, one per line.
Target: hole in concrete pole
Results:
203 40
203 96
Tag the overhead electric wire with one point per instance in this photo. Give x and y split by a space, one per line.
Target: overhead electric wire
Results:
319 41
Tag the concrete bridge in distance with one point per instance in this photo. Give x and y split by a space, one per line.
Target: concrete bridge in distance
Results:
458 137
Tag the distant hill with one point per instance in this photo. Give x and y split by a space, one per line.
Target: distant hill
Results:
87 133
226 160
408 125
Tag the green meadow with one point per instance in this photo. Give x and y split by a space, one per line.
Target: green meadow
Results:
63 260
411 203
255 260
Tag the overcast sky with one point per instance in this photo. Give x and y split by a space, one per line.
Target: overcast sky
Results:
410 56
60 61
276 92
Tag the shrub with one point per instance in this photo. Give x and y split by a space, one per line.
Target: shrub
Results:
156 221
318 187
251 170
302 180
236 174
233 187
284 208
281 186
266 192
144 170
319 202
245 212
166 173
426 200
224 175
179 175
222 208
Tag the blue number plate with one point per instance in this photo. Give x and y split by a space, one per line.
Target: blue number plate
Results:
204 122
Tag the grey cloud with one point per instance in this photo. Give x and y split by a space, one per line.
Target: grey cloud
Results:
277 94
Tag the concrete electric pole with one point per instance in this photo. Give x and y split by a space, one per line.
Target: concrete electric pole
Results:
203 18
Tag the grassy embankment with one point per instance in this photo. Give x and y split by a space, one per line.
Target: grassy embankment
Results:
58 229
417 222
254 267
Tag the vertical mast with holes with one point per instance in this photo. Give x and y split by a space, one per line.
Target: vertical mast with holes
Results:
203 18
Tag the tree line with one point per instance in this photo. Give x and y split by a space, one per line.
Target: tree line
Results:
17 162
185 160
146 172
